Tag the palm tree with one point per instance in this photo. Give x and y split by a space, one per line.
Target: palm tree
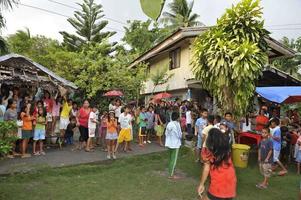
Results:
180 15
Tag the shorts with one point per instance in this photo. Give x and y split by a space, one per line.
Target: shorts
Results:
111 136
92 132
142 131
212 197
39 134
150 131
265 169
84 134
298 156
199 141
64 123
159 130
276 155
124 135
26 134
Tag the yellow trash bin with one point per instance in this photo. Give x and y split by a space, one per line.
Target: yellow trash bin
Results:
240 155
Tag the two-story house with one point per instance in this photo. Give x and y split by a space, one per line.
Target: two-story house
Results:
175 52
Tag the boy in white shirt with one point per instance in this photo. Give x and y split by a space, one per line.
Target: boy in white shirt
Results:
173 135
92 127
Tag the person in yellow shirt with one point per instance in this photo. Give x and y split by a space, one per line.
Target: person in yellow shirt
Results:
64 118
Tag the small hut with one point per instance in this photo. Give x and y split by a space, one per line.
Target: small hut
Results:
22 72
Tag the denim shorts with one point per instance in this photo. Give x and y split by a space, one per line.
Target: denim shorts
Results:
39 134
199 142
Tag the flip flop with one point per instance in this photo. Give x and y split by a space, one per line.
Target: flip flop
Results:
282 173
260 186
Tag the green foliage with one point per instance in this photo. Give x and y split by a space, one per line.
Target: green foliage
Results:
229 57
152 8
180 15
290 65
142 36
89 26
7 136
160 77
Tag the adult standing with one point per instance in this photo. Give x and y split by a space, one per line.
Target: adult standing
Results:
261 120
48 105
218 165
82 119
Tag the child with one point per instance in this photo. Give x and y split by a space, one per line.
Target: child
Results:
159 126
265 157
142 126
218 165
217 121
173 135
150 123
92 127
26 129
205 133
276 137
188 121
231 126
39 132
200 124
70 130
298 157
125 120
111 135
103 130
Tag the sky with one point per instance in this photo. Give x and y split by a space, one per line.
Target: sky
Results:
282 17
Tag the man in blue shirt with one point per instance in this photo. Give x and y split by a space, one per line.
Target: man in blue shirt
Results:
200 124
276 138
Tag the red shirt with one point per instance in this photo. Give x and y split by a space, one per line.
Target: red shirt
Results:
83 117
222 179
262 120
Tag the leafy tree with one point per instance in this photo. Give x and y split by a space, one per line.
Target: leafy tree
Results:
160 77
229 57
290 65
4 5
89 26
141 36
180 15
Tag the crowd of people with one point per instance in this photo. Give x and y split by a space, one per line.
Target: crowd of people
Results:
165 123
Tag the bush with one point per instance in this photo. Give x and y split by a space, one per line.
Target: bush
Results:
8 130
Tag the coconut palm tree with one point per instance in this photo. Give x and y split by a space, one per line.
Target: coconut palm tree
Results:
180 15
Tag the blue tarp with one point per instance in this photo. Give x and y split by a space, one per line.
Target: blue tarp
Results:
286 94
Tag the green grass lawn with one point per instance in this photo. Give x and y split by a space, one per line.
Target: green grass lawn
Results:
136 178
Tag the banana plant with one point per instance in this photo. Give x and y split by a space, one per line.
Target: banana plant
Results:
152 8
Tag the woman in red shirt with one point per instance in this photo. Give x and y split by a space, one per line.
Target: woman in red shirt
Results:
261 120
218 164
82 121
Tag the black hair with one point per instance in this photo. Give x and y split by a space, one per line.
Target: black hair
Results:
266 128
218 144
47 92
174 116
72 117
108 116
203 110
9 103
41 102
210 119
150 107
218 118
228 113
275 120
142 107
43 114
57 100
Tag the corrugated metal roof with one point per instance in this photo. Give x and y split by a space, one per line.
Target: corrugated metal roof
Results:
40 67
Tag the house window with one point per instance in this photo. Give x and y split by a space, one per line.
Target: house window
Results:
174 57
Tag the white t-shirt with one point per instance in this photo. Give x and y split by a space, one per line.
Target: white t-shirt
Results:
117 111
125 120
188 117
92 117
